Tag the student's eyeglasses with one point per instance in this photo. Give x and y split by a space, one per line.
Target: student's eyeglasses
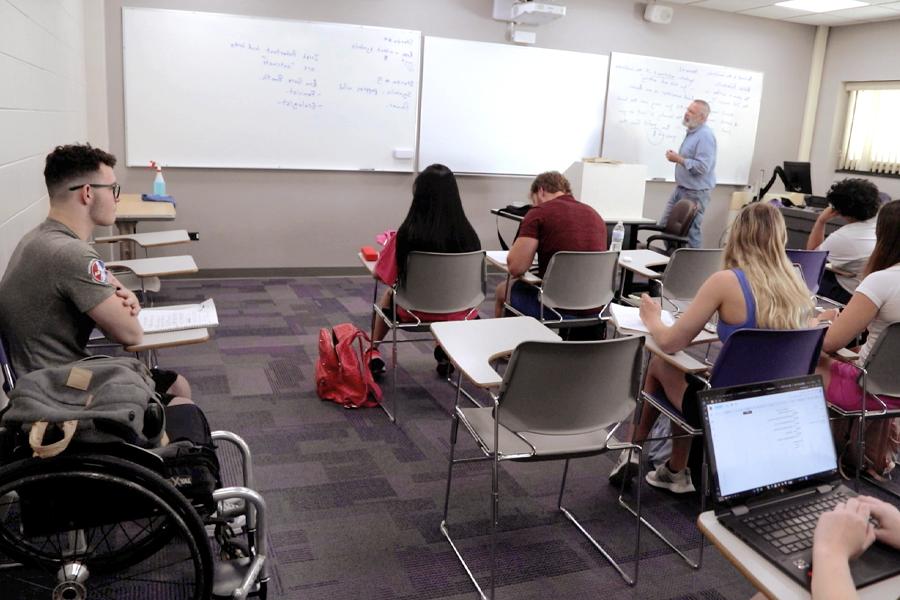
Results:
116 188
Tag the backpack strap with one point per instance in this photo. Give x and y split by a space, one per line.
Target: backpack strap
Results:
39 430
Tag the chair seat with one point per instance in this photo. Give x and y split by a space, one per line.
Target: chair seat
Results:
513 447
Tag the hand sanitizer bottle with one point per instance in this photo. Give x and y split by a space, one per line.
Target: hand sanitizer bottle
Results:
159 184
618 236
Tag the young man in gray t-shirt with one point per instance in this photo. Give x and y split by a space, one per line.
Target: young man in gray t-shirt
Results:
56 288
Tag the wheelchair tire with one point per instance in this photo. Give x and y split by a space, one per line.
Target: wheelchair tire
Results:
95 526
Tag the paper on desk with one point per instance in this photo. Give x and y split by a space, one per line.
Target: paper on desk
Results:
176 318
629 317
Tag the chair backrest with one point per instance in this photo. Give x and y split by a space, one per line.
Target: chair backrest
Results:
755 355
882 374
812 265
681 217
571 387
580 280
688 268
442 282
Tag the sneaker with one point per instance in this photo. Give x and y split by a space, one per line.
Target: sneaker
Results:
444 367
624 469
376 364
677 483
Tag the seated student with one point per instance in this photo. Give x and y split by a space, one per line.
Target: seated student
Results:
845 533
857 201
435 222
758 289
557 222
56 288
874 305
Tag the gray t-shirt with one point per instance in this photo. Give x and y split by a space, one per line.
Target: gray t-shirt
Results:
53 278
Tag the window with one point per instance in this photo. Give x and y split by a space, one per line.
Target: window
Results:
872 134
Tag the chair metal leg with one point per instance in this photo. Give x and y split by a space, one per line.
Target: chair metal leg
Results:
636 513
637 548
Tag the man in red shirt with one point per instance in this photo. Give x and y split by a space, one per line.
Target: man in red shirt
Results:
556 222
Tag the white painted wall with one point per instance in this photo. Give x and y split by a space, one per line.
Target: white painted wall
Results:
42 104
867 52
259 219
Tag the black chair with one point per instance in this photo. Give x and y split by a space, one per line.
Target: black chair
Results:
674 233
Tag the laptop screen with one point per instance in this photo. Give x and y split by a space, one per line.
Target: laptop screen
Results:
768 435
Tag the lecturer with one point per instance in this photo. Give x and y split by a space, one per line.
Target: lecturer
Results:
695 167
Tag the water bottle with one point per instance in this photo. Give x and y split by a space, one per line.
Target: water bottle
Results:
618 236
159 184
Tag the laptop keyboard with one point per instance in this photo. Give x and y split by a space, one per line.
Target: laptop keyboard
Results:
791 529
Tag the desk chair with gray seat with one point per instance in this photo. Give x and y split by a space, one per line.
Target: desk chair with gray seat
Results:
436 283
574 282
685 273
878 376
558 401
747 356
674 234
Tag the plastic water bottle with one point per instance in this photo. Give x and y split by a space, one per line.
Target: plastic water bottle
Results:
618 236
159 184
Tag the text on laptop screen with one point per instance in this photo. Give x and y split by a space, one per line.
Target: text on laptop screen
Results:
767 440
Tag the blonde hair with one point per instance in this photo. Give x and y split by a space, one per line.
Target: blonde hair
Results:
756 246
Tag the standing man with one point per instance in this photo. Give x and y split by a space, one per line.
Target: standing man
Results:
695 167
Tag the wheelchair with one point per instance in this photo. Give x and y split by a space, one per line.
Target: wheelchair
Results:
102 522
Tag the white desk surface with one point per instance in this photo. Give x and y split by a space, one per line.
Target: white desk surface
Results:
131 208
640 261
167 339
368 264
767 578
838 271
498 259
157 266
472 345
150 239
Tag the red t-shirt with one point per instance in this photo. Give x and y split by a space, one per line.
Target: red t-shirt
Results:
563 224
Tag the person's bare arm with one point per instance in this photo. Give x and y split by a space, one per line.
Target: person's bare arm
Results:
115 319
521 255
702 308
849 323
817 233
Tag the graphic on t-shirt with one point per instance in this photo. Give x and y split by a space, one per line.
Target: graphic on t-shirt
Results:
98 271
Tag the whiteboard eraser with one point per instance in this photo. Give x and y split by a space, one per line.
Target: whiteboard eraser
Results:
403 153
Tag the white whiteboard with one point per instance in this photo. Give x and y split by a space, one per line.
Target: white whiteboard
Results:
647 100
496 108
214 90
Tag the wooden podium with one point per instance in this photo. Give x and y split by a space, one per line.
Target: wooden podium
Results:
615 190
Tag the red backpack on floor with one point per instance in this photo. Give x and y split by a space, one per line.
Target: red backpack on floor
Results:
342 374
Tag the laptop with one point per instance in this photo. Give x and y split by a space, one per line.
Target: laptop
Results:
774 470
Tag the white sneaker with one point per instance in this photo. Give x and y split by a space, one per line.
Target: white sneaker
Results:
677 483
624 468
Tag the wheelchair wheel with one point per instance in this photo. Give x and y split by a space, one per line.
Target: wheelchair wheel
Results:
92 526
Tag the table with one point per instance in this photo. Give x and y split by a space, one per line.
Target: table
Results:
130 209
472 345
150 239
767 578
630 223
168 339
157 266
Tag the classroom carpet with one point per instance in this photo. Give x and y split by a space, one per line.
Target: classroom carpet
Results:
355 501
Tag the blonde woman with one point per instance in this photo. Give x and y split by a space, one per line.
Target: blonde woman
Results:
758 288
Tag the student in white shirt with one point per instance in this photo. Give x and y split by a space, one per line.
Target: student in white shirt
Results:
874 305
856 200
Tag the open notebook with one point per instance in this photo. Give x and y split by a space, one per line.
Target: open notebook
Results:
175 318
629 317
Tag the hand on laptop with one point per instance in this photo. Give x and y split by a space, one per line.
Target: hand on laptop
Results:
888 517
844 532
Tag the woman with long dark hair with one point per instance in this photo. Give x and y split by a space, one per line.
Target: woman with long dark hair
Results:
435 222
874 305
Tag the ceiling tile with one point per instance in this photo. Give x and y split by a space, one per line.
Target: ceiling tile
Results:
731 5
774 12
864 13
821 19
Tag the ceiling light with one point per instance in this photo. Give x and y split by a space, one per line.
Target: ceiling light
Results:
821 6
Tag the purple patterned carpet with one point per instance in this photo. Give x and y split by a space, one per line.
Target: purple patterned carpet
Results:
355 502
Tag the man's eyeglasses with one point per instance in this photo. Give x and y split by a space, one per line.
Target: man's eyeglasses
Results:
116 188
